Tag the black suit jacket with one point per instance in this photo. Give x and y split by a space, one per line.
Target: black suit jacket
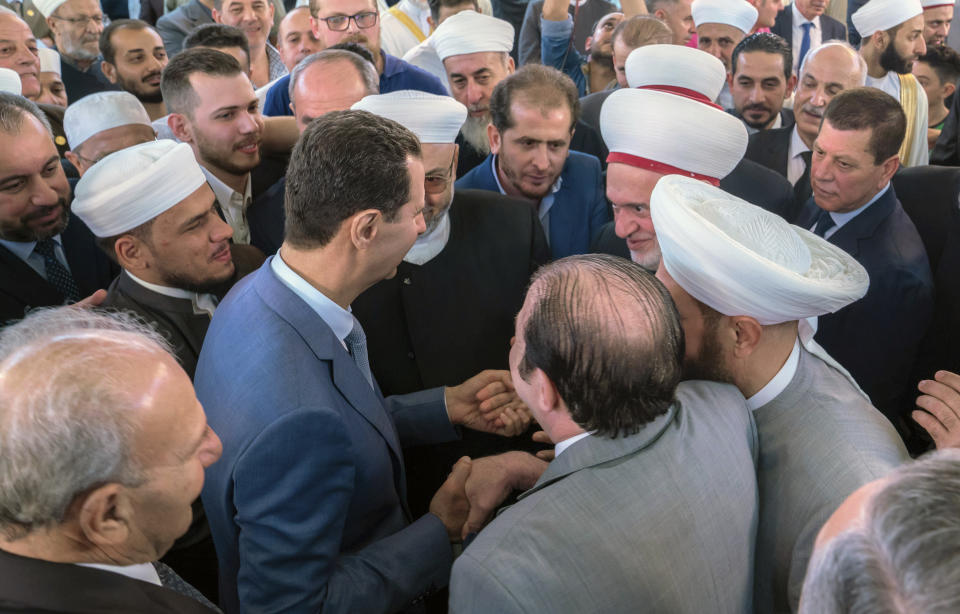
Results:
22 288
877 338
946 151
783 27
771 148
32 585
590 106
79 84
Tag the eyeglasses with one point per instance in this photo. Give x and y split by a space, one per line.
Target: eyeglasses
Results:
339 23
436 184
83 20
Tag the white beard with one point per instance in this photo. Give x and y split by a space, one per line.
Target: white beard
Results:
650 260
474 132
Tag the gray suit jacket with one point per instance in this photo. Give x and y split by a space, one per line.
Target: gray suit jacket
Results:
177 25
663 521
819 441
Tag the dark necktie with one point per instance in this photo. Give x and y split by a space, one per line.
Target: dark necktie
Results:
801 189
804 43
357 344
824 223
57 274
169 579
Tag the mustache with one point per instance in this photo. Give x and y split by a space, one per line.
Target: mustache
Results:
757 107
247 142
151 75
817 111
45 211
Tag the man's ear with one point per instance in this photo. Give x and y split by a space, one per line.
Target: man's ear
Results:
890 167
432 25
949 89
493 135
791 86
511 65
748 333
104 516
216 15
586 43
456 158
547 395
180 127
132 254
109 71
363 227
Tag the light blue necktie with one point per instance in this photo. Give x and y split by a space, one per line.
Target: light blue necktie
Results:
357 345
804 43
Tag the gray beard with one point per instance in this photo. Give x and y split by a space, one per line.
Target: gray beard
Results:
474 132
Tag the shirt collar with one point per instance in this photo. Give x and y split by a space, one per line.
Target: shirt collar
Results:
337 318
145 572
223 192
797 146
496 177
799 19
429 245
24 249
842 218
205 303
779 382
391 64
566 443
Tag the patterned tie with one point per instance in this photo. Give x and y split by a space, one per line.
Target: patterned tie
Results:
804 43
357 344
169 579
57 274
824 223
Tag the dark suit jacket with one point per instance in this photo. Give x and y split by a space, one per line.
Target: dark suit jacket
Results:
579 206
176 25
787 119
22 288
590 106
771 149
151 11
42 587
79 84
266 218
748 180
877 337
832 29
852 7
55 117
946 151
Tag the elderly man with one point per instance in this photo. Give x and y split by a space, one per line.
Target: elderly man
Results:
533 115
52 90
721 25
75 26
426 326
805 27
423 55
255 18
127 466
855 208
592 72
892 32
937 18
637 453
312 483
103 123
745 282
338 21
295 38
133 58
827 71
760 81
44 259
901 526
678 15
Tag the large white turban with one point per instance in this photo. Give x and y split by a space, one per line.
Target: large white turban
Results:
101 111
737 13
49 60
879 15
10 82
472 32
47 7
676 66
134 185
672 134
434 119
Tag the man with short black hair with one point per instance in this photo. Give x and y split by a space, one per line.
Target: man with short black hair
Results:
228 39
616 522
855 207
760 81
678 17
533 113
937 18
133 58
937 71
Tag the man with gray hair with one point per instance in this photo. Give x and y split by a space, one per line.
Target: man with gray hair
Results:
125 467
893 546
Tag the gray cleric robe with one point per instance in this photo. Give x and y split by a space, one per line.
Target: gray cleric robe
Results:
820 440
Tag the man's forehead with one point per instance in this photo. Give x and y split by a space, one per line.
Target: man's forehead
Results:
217 89
472 62
227 4
760 60
115 139
344 7
81 6
337 75
130 38
12 27
32 144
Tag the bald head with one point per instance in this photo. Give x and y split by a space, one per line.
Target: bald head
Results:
295 39
332 80
825 72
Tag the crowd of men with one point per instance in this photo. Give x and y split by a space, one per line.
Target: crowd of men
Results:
479 306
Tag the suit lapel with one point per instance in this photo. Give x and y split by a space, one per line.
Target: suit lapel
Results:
25 284
864 225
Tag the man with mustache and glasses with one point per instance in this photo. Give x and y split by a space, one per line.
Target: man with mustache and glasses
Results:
892 32
827 71
76 26
213 108
47 256
133 58
760 81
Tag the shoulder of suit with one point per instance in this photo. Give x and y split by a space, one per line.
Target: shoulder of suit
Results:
577 160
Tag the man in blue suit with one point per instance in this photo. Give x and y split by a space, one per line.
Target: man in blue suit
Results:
533 112
805 27
308 506
855 208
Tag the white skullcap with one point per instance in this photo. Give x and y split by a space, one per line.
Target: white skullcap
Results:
134 185
10 82
671 134
47 7
879 15
434 119
471 32
49 60
676 66
929 4
737 13
101 111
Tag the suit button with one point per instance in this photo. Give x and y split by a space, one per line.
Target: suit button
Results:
406 281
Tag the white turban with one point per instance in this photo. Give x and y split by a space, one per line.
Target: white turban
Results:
134 185
10 82
101 111
434 119
929 4
49 60
737 13
878 15
672 134
471 32
676 66
47 7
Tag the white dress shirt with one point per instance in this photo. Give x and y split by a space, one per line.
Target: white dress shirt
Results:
816 35
546 203
145 572
795 162
233 204
566 443
337 318
779 382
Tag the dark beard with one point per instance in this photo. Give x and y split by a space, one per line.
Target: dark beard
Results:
603 60
209 286
891 60
708 365
25 234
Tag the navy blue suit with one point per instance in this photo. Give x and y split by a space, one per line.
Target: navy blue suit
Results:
783 27
307 504
877 337
579 208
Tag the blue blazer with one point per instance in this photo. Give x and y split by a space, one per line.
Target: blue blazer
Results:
307 505
579 208
877 337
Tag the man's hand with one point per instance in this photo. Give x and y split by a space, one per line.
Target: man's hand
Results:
488 402
450 503
93 300
941 404
493 478
542 437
